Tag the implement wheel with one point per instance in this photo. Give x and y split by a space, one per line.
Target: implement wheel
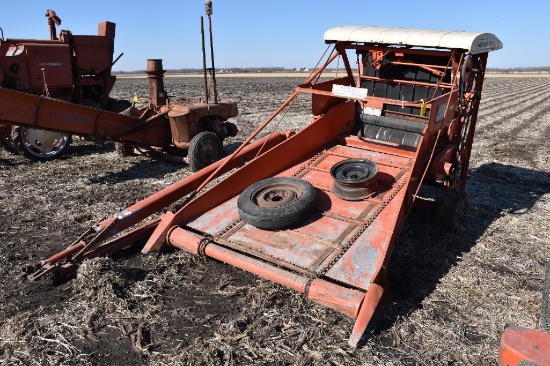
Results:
8 145
204 149
40 144
124 150
276 202
6 138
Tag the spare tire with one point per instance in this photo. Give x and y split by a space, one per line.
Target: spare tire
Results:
354 179
277 202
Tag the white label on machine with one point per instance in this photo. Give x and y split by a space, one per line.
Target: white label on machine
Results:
372 111
349 92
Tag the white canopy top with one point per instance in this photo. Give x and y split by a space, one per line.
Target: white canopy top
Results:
471 41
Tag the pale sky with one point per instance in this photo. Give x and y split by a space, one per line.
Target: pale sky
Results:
282 33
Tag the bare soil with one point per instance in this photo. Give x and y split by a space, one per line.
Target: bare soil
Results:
454 291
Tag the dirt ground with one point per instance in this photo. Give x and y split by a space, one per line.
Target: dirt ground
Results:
453 292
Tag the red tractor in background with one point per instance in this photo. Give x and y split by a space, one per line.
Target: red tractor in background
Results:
73 68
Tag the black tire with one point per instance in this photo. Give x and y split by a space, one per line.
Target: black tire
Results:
277 202
230 128
204 149
124 150
117 105
29 142
8 144
545 306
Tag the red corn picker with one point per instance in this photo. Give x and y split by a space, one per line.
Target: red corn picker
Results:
73 68
319 210
75 71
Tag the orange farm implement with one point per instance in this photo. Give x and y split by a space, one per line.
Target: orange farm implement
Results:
73 68
74 71
319 210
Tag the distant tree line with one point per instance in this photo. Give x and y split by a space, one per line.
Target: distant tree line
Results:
219 70
244 70
520 69
239 70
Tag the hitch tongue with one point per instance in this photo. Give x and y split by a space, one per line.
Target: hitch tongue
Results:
34 272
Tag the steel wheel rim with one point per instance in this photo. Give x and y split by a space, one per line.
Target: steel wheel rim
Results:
354 171
354 179
276 195
208 152
43 144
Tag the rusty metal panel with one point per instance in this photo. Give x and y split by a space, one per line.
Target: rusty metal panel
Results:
216 219
56 62
282 246
358 265
371 244
330 160
324 228
320 179
33 111
94 54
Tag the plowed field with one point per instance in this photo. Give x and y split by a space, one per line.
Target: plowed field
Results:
453 292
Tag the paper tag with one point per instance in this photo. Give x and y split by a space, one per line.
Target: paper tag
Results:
349 92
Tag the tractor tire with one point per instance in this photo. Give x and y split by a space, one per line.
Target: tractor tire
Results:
277 202
545 306
204 149
40 145
124 150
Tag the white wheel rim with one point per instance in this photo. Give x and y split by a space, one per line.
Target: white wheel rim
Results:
42 143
